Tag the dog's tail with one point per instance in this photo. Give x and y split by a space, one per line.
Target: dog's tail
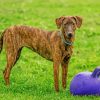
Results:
1 42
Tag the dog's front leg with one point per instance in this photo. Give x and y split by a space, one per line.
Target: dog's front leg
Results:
56 75
64 73
56 55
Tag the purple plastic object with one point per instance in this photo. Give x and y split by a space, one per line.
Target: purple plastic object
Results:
86 83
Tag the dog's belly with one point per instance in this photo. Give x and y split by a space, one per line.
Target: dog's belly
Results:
46 55
40 46
44 50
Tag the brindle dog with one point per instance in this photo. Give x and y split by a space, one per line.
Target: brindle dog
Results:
55 46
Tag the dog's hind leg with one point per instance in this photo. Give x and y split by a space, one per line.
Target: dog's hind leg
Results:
12 58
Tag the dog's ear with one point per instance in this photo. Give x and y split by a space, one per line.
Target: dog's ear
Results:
59 21
78 21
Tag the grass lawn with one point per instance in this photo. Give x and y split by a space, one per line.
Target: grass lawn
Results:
32 76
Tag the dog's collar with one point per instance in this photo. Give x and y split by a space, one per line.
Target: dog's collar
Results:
67 43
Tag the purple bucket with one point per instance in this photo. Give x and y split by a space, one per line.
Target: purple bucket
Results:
86 83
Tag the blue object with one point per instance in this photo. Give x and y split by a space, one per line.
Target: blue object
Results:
86 83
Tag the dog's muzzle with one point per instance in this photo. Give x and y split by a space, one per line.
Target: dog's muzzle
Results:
69 35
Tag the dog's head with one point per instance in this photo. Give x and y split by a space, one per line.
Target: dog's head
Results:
68 26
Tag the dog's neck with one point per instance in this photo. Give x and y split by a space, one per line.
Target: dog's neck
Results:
66 43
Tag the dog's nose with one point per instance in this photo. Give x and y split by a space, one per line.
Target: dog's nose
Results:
70 35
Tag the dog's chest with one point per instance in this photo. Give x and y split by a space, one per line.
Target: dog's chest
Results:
66 53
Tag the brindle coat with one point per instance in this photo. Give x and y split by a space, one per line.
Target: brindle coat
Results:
49 45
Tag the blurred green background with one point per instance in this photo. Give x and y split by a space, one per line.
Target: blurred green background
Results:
32 76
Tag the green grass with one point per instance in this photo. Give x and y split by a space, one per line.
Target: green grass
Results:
32 76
